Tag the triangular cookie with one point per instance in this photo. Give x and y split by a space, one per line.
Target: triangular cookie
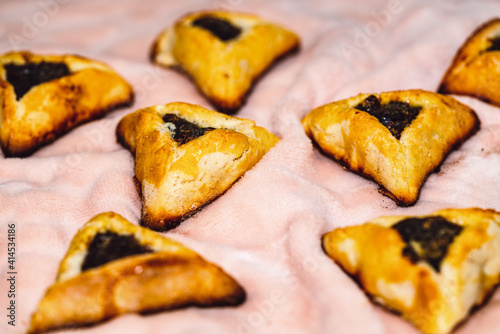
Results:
431 269
186 156
44 96
476 67
114 267
223 52
395 138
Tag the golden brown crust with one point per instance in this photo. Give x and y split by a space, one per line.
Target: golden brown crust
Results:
365 146
475 71
173 276
227 70
435 302
52 108
176 181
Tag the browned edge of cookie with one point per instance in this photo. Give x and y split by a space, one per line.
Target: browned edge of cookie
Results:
454 146
443 86
278 59
162 225
121 140
357 281
236 298
63 128
221 105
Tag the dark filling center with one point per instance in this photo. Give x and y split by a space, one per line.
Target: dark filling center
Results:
221 28
427 239
109 246
184 131
395 115
23 77
495 44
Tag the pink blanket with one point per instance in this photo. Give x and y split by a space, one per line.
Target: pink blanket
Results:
265 231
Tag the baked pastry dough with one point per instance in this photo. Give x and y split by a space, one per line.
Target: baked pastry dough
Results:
186 156
44 96
431 269
420 129
114 267
223 52
475 70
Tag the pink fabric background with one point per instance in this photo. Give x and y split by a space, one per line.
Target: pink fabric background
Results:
266 230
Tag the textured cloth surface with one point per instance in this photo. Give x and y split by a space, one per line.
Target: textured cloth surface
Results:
266 230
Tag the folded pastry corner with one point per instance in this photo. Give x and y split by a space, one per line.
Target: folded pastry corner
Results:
186 156
44 96
431 269
395 138
114 267
223 52
476 67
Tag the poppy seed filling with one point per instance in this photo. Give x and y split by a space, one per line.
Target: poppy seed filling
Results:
495 44
427 239
395 115
109 246
184 131
23 77
219 27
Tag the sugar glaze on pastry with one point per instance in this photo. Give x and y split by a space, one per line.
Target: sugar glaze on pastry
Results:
223 52
186 156
432 269
44 96
395 138
113 267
